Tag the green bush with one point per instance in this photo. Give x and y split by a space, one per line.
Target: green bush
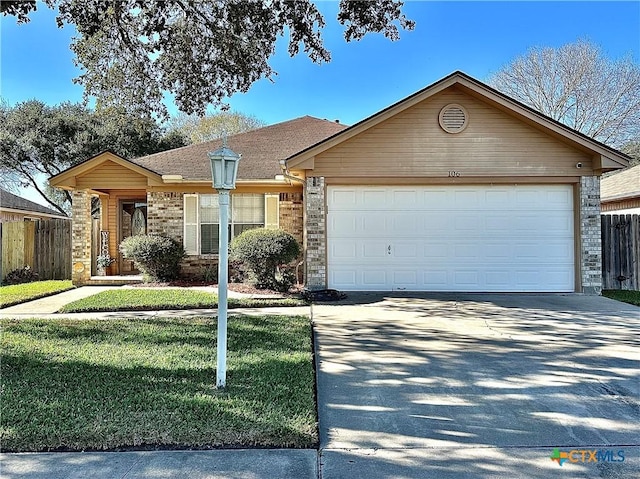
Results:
156 256
263 251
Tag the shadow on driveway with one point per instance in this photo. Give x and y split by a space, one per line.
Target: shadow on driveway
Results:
453 385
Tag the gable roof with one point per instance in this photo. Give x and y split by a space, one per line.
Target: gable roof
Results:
67 178
261 150
15 202
621 185
609 158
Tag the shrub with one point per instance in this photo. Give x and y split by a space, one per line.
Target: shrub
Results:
156 256
21 275
263 251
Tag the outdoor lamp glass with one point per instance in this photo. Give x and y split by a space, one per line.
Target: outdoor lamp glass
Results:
224 167
224 170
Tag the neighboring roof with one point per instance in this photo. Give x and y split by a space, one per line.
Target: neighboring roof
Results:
15 202
261 150
613 158
621 185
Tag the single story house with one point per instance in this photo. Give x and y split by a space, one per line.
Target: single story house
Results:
455 188
16 208
620 192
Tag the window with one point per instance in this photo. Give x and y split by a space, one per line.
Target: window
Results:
247 211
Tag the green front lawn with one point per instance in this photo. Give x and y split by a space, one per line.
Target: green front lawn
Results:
631 297
96 384
20 293
138 299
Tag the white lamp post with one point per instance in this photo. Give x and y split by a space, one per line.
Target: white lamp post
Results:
224 170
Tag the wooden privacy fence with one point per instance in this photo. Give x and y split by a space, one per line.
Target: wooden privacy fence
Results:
44 245
621 252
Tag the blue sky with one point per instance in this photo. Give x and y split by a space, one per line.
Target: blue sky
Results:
363 77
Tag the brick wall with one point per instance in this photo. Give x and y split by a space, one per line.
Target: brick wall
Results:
81 237
291 215
590 240
164 214
315 239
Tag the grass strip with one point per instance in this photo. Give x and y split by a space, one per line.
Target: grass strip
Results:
131 299
631 297
134 383
21 293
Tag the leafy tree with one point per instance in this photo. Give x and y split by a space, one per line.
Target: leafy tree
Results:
38 141
210 127
202 52
580 87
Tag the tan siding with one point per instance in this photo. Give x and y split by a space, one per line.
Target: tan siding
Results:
413 144
111 175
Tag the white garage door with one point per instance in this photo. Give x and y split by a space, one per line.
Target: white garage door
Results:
445 238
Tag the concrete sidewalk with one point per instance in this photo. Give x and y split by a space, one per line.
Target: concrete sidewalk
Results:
216 464
47 307
53 303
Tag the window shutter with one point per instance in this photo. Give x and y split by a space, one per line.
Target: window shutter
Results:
191 224
271 211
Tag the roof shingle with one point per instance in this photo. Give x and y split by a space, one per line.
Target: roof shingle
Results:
261 150
625 184
15 202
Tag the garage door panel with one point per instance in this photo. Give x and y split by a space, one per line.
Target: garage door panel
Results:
405 279
438 250
435 279
465 278
374 249
347 198
406 250
370 198
465 251
465 222
404 199
345 277
462 238
498 279
344 225
373 224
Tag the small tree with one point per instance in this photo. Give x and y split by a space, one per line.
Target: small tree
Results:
157 256
263 251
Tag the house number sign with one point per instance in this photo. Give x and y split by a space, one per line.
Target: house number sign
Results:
454 174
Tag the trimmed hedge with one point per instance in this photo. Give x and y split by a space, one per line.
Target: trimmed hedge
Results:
263 251
156 256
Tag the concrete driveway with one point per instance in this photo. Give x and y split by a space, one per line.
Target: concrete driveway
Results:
478 386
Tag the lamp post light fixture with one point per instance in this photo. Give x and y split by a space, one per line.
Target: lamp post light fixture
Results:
224 170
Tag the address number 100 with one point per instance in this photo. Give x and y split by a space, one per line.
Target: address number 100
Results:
454 174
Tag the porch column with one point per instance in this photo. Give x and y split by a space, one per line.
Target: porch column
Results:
590 240
315 234
81 237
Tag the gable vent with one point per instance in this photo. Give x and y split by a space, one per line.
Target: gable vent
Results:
453 118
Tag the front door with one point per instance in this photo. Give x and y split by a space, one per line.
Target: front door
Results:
133 221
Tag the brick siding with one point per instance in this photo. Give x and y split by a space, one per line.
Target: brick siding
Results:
165 216
315 239
590 240
81 237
